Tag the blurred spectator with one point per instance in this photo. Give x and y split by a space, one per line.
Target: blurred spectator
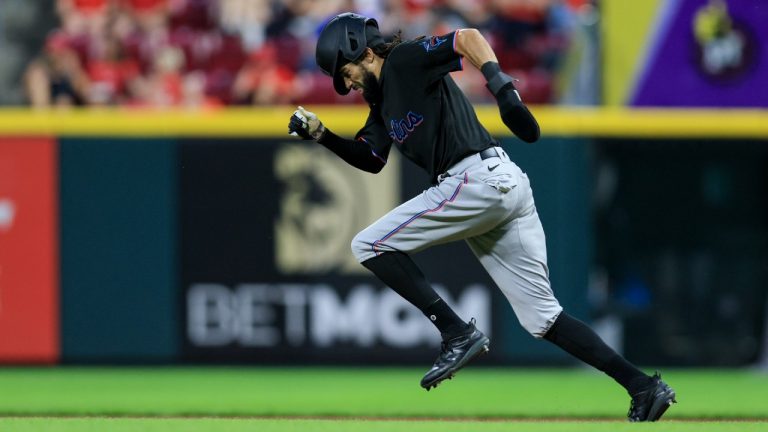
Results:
247 18
82 17
215 52
110 72
263 80
162 84
56 78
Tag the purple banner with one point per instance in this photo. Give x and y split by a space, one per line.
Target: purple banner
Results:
709 53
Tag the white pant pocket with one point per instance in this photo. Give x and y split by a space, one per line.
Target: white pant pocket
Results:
502 182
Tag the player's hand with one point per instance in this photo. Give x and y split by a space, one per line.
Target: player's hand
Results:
516 116
305 124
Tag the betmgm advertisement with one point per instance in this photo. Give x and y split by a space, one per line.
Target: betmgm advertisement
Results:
267 269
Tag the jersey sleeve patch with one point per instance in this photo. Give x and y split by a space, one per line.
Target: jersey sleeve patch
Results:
434 42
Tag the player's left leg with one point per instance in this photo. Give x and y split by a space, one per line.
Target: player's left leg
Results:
650 395
515 256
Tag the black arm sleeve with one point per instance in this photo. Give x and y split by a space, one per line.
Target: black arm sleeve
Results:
357 153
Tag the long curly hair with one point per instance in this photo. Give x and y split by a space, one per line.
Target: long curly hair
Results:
383 50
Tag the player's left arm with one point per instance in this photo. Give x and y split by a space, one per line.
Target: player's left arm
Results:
361 152
471 45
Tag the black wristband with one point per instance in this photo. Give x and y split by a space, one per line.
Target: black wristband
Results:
490 69
497 80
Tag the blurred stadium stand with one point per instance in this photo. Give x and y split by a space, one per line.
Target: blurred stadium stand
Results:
241 52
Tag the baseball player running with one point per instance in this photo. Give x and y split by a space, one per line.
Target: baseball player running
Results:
477 194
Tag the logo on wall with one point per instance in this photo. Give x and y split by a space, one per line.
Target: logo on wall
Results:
725 48
257 315
7 214
325 202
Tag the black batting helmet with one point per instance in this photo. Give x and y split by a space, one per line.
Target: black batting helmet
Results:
343 40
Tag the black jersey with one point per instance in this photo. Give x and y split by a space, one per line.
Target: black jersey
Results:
423 111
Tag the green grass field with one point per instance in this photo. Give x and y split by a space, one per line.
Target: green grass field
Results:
375 399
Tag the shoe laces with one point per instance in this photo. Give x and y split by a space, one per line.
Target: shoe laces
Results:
444 345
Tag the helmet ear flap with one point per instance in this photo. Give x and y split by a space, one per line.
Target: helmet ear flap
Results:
338 77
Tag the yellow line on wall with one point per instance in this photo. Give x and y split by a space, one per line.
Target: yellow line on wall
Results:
346 120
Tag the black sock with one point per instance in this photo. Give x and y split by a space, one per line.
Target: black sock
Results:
582 342
444 318
398 270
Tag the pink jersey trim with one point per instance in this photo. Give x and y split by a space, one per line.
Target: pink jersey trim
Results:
461 57
420 214
372 151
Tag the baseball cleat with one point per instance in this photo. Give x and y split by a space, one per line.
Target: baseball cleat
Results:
650 404
437 383
456 352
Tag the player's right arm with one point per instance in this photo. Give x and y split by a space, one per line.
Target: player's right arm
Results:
471 45
368 151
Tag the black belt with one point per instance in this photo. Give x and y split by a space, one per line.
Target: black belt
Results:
489 153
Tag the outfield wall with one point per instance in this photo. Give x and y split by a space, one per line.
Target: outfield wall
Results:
213 237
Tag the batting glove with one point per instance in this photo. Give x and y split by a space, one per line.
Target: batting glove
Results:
513 111
305 124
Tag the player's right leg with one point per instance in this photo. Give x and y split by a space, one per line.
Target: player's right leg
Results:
461 341
442 213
